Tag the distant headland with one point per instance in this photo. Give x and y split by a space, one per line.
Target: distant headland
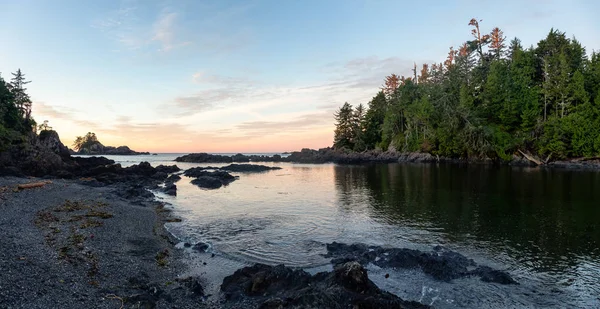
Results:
90 145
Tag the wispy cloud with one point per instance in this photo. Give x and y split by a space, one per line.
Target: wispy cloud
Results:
43 109
298 124
165 32
203 78
210 30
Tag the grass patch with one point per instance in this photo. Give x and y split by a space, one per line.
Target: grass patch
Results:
98 214
70 206
161 258
88 223
45 217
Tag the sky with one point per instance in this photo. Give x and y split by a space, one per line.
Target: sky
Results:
240 76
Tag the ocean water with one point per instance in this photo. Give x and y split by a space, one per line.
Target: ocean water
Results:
542 226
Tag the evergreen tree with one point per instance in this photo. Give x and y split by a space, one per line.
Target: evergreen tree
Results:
344 128
491 103
21 97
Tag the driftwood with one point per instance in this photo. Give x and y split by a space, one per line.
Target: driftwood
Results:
533 158
32 185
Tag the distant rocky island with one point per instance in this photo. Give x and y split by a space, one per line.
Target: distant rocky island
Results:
90 145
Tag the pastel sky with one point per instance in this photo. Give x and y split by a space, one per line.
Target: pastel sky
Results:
240 76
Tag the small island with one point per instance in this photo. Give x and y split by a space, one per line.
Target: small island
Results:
90 145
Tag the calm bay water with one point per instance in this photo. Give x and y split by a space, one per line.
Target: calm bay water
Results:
543 226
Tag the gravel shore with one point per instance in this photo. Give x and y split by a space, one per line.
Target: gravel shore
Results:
70 245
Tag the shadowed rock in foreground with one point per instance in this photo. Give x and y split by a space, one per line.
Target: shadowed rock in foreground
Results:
441 264
348 286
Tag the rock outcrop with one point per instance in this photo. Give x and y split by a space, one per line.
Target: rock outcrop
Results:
209 180
97 148
348 286
441 264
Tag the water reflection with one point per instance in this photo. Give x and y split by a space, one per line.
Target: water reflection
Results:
544 218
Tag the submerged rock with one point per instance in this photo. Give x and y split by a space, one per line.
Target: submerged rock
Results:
348 286
207 182
170 189
441 264
201 171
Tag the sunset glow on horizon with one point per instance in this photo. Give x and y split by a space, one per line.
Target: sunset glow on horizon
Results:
232 76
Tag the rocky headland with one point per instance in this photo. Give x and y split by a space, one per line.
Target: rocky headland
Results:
97 149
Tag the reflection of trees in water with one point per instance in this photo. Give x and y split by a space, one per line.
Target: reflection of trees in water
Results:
542 212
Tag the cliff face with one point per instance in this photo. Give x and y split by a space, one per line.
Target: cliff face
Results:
38 156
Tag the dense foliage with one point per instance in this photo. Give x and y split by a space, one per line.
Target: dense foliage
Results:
15 111
86 141
488 99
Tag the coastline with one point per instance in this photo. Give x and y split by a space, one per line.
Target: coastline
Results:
100 241
340 156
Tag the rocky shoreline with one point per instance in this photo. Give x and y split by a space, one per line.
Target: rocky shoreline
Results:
337 156
89 233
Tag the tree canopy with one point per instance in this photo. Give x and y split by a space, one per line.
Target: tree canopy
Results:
15 110
85 141
490 98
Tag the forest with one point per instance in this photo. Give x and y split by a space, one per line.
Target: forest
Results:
16 122
489 99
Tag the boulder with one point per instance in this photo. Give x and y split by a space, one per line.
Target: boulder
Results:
207 182
170 189
144 168
173 178
169 169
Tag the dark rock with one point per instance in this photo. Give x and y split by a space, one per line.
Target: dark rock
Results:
240 158
441 264
159 176
187 244
135 192
173 178
170 189
208 179
348 286
193 285
169 169
49 139
91 162
248 168
200 172
488 274
103 169
204 158
207 182
144 169
202 247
